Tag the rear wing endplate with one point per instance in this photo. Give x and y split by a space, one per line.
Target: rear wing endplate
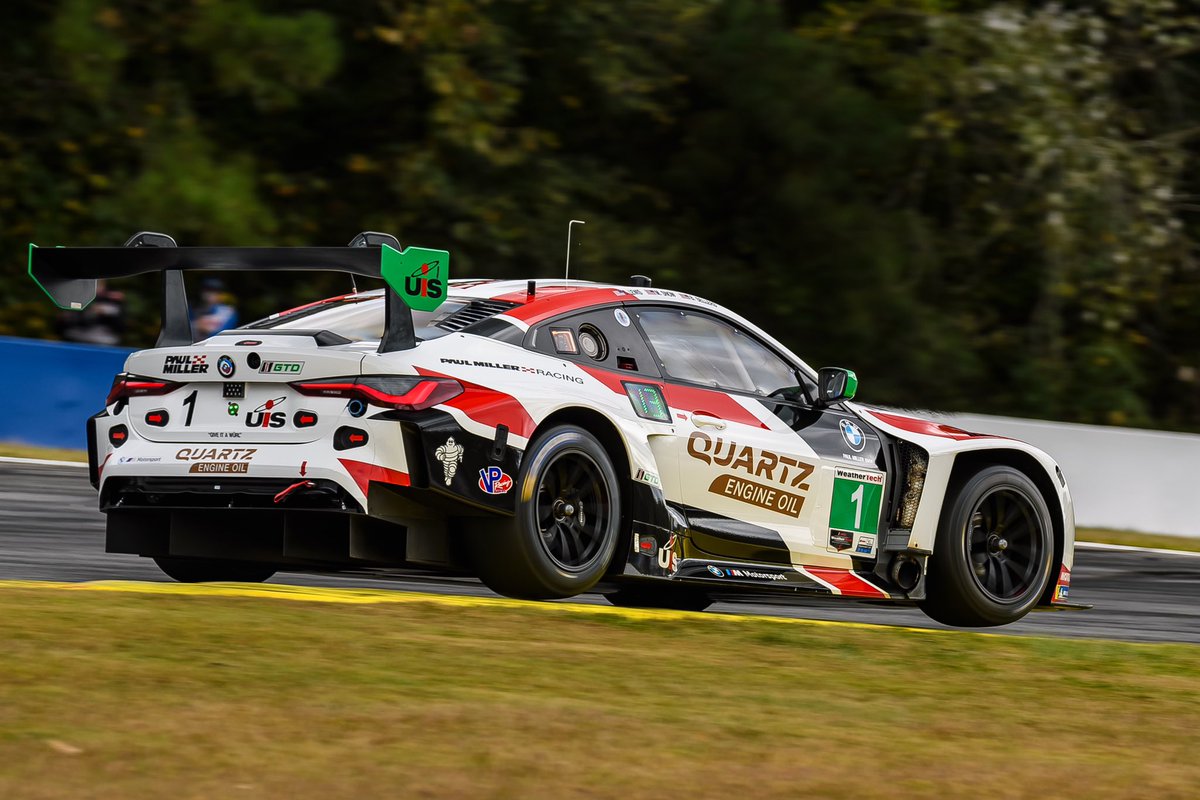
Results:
416 277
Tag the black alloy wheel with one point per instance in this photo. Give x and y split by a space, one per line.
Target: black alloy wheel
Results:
566 524
994 552
573 510
1004 544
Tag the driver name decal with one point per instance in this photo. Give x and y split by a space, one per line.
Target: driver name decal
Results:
765 464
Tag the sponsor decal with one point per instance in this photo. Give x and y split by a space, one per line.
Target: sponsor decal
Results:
281 367
233 409
650 478
765 464
226 367
756 575
866 545
857 499
213 461
755 463
758 494
621 317
138 460
645 545
265 416
493 480
720 573
420 273
185 365
451 455
841 540
1062 589
224 434
638 291
562 376
855 439
666 556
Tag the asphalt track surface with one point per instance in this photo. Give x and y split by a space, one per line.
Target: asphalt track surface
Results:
50 530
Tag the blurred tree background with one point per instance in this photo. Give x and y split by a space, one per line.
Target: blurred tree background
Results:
979 206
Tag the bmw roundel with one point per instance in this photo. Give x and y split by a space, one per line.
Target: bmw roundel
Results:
853 435
720 573
225 366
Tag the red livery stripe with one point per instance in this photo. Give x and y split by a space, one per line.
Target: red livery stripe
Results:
846 582
925 427
363 473
554 300
487 406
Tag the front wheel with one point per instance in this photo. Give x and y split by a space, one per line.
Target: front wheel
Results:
214 570
567 521
992 558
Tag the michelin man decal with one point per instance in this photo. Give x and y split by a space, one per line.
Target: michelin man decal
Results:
451 455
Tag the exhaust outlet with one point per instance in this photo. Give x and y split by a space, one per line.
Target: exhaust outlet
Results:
905 572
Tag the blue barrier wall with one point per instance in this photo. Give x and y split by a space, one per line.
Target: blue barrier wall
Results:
51 388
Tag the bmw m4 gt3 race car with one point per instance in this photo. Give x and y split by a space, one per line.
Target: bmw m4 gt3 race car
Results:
549 437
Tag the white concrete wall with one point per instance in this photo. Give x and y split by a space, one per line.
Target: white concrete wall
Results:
1119 477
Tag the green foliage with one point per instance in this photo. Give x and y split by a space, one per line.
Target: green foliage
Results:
977 205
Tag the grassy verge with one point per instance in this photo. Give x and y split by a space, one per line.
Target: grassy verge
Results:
120 695
13 450
1137 539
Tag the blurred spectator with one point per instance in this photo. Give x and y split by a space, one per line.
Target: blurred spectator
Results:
216 312
102 322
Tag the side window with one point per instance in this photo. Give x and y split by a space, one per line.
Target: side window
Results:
700 349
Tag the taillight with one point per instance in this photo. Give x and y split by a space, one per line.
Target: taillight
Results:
125 386
402 392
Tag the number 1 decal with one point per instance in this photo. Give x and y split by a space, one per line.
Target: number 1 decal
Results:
190 402
857 499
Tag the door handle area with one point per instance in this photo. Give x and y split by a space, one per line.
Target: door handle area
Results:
702 420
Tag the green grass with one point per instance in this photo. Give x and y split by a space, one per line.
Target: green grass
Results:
1137 539
121 695
16 450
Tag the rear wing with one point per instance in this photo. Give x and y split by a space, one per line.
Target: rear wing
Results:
416 277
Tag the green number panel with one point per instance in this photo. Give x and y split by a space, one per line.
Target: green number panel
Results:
857 497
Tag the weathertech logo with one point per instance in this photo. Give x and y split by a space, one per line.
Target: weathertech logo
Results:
186 365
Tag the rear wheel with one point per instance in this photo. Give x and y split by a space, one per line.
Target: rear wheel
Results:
206 570
567 521
995 545
678 598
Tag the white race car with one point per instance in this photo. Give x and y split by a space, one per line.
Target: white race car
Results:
549 437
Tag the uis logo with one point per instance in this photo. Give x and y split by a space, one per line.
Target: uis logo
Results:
494 480
265 415
853 435
426 281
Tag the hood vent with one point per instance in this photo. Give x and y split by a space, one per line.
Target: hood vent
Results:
475 311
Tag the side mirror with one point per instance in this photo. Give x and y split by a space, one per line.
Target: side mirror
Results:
834 384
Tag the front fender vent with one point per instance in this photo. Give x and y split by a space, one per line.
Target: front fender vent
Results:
913 464
475 311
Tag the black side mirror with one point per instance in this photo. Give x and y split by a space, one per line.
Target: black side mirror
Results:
834 384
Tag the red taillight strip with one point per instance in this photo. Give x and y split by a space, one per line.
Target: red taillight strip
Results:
424 394
133 386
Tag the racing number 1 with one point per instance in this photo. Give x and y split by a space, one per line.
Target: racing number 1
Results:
190 402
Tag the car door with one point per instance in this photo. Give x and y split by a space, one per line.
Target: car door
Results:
761 470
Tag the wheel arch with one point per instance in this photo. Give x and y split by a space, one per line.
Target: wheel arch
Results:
970 462
610 437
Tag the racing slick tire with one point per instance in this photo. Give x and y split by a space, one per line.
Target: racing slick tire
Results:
567 522
213 570
676 598
994 551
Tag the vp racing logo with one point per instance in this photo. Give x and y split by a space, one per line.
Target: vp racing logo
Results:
853 435
494 480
